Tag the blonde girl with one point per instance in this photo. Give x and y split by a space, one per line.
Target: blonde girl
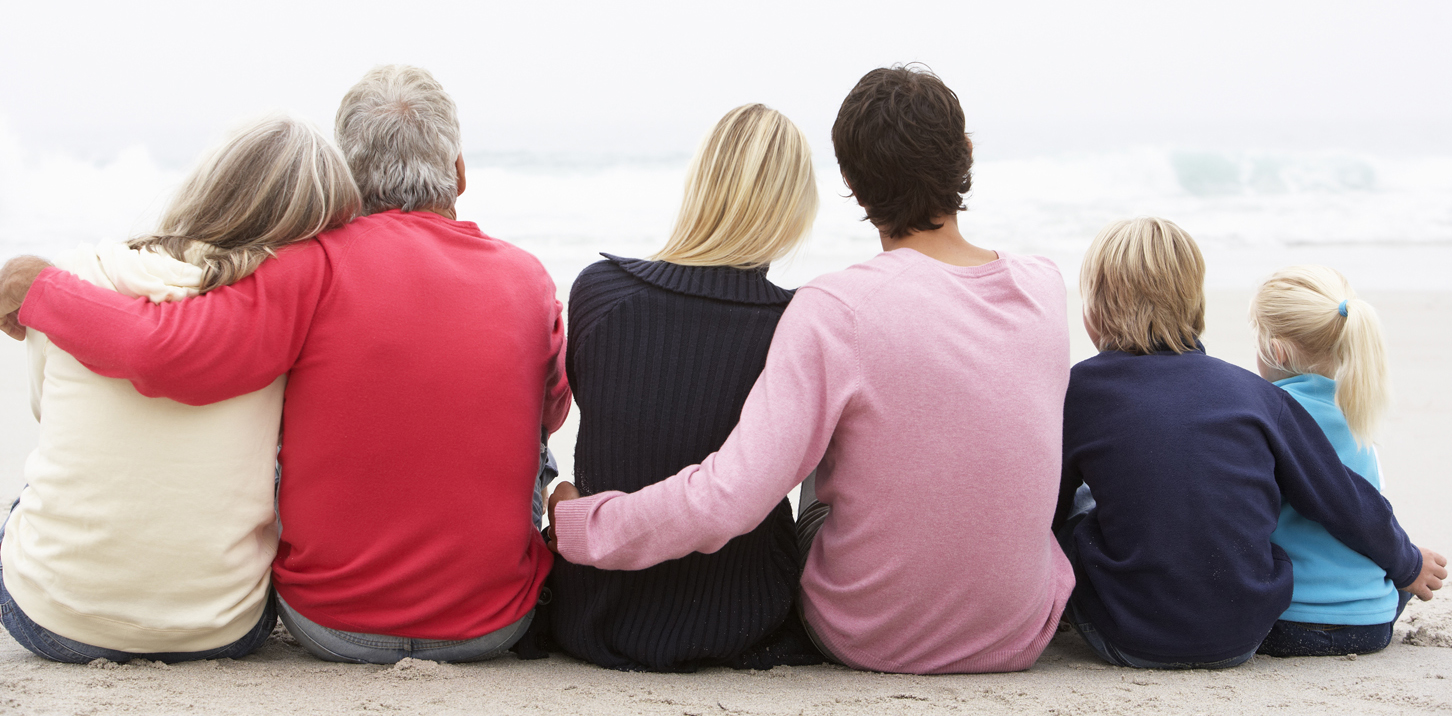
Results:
1322 344
147 528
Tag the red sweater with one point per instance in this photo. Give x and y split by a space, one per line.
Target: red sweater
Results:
422 358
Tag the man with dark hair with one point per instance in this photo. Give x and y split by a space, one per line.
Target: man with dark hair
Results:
926 389
900 144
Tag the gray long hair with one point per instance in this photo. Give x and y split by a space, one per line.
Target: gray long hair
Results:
273 182
400 133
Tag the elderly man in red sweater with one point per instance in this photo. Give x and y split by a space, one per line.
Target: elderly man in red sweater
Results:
423 357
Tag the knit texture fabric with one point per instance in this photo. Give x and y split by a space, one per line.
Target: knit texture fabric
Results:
661 358
929 398
422 359
1189 459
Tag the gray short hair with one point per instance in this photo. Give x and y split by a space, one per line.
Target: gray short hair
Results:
400 133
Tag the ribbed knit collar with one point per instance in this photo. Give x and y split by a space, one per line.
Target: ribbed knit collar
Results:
720 282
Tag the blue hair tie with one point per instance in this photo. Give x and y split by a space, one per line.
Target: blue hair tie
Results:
1342 309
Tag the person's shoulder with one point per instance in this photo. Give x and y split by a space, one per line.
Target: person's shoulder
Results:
1033 265
606 271
854 284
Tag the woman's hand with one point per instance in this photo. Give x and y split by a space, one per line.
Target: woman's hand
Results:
563 491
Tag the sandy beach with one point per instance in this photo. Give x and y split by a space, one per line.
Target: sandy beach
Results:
1413 675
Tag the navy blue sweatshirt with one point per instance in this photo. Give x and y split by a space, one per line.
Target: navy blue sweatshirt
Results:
1189 458
661 358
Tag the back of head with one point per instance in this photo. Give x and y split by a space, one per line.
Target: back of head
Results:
901 144
400 133
751 193
274 182
1308 320
1143 283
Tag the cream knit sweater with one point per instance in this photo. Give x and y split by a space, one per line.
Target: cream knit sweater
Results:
146 525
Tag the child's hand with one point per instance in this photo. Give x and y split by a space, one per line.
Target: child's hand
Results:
567 491
1434 570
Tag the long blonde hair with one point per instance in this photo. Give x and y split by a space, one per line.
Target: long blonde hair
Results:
751 194
1143 283
1301 327
274 182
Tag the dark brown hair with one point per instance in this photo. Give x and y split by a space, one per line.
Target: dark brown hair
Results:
901 145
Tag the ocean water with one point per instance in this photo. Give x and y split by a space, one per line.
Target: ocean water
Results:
1385 221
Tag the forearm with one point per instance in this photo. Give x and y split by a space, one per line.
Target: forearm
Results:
231 341
699 509
1363 520
1316 483
785 426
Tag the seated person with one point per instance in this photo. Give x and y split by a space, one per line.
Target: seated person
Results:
705 306
1321 344
147 527
424 361
925 387
1187 461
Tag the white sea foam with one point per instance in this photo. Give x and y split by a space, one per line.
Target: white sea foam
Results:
1385 221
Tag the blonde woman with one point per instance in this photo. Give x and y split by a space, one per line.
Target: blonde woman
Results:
1322 345
147 527
662 354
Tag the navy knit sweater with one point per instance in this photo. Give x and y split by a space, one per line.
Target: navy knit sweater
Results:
1188 458
661 358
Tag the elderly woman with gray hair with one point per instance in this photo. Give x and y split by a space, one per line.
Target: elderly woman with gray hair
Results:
424 360
147 528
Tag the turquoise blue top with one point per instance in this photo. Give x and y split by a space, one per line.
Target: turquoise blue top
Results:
1333 583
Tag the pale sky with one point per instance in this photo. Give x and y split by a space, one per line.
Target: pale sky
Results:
90 79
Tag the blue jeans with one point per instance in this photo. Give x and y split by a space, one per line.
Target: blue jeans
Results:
360 648
810 516
548 471
1083 503
357 648
1289 638
50 645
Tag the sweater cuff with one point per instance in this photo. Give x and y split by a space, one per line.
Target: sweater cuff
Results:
35 295
569 526
1411 576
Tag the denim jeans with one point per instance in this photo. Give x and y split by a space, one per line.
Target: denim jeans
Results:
48 644
1289 638
810 516
548 471
1083 503
358 648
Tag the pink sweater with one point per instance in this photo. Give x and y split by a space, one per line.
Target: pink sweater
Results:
930 399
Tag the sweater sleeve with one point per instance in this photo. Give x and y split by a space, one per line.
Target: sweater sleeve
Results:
557 388
228 342
1316 483
810 377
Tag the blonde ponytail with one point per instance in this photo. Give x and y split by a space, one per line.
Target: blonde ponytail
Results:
1308 320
